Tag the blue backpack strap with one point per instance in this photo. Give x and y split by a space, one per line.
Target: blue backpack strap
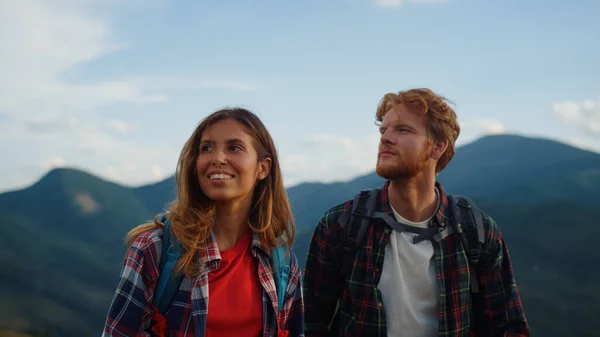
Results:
281 270
168 281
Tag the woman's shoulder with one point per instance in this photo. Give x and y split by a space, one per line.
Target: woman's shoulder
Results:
144 252
148 239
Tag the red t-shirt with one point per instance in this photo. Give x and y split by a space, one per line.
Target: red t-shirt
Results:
235 294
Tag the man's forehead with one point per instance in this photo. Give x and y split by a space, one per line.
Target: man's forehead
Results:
392 115
399 115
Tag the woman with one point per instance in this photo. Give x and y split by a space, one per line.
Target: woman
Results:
230 212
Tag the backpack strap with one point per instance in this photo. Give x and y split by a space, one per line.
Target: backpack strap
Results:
468 223
357 218
280 260
169 280
422 233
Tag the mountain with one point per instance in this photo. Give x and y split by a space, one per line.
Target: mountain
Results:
61 239
60 243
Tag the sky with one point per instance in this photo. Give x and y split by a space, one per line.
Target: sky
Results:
115 87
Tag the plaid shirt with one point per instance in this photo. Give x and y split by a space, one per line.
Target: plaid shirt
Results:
130 311
361 312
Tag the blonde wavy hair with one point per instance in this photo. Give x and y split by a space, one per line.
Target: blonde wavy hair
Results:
440 119
192 212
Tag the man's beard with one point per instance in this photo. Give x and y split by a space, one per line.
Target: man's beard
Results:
405 169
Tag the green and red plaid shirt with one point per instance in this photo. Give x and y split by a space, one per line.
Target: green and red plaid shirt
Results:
361 312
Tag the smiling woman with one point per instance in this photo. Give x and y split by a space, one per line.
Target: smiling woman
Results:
230 214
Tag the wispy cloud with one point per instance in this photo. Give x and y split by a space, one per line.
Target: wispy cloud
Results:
41 43
55 121
82 144
329 157
584 116
120 126
470 130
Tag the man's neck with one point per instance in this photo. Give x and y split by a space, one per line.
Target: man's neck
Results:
415 199
231 222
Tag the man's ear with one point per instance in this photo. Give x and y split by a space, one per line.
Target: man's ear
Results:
438 149
264 167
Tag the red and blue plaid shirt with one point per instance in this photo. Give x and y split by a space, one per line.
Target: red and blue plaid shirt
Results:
361 312
130 312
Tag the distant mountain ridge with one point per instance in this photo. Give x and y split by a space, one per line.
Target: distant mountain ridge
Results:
61 239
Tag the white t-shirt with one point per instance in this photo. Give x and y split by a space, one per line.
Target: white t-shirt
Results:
408 284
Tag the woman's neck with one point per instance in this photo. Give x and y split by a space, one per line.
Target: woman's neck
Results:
231 222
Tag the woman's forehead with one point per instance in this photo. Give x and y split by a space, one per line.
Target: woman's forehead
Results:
223 130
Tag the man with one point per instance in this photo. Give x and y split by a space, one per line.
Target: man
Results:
411 272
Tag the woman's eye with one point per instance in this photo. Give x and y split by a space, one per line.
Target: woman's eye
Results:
205 148
236 148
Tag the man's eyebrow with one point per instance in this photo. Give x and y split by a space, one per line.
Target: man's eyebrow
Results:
404 125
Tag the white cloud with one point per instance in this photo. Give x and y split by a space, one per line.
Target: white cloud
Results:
584 116
400 3
40 43
50 120
81 144
329 157
473 129
120 126
158 172
388 3
584 143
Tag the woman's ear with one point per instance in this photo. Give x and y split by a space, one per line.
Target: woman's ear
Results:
264 167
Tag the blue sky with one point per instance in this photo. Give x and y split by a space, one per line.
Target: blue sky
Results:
116 87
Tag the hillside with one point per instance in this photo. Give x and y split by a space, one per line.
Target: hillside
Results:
60 247
61 239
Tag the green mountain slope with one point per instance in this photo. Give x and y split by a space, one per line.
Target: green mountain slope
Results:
61 240
60 247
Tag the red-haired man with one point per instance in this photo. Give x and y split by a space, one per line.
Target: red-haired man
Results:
413 260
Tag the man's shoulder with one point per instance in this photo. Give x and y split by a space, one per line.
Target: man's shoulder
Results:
330 216
492 232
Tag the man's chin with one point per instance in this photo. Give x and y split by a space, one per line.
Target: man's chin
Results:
395 173
388 173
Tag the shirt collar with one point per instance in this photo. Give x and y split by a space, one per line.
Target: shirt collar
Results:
440 217
210 256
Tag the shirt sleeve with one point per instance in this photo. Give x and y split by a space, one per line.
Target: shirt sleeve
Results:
129 312
502 313
321 277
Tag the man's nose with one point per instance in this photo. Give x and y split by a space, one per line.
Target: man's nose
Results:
385 138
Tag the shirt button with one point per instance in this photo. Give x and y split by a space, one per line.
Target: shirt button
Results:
380 304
